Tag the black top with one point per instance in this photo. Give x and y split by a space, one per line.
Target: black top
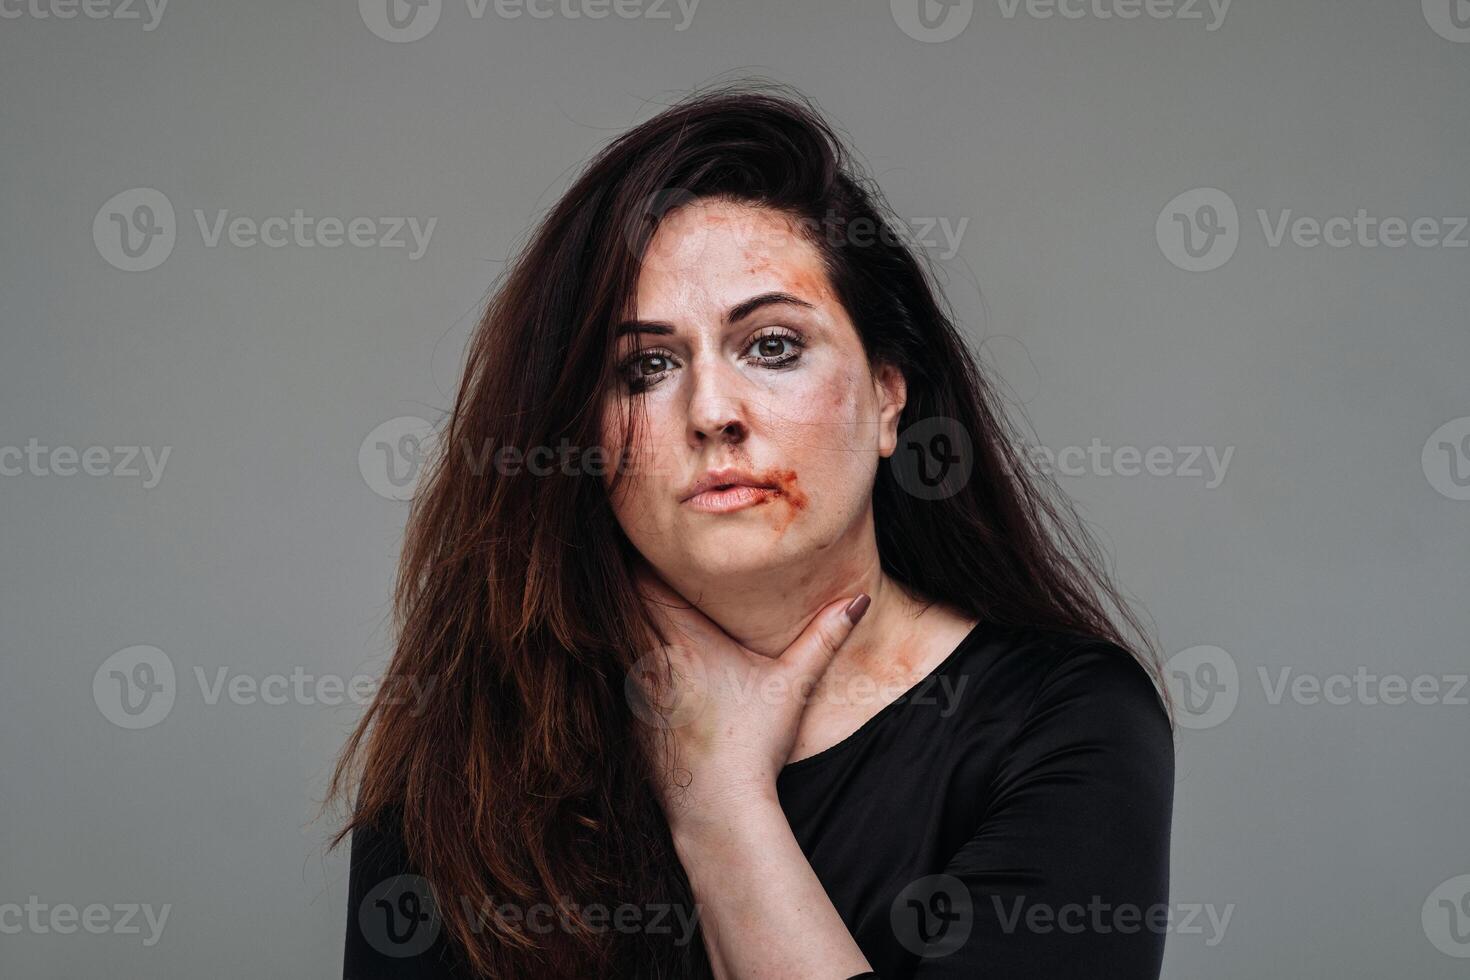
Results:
1006 817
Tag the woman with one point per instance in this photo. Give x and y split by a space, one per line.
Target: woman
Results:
786 666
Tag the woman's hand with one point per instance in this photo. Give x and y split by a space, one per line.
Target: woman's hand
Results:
730 715
728 718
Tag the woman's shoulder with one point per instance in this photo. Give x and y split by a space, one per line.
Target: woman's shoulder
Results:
393 926
1078 718
1040 672
378 843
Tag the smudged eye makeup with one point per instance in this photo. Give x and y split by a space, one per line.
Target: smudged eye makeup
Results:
774 348
779 337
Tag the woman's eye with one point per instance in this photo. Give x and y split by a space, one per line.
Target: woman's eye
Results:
642 371
645 369
775 350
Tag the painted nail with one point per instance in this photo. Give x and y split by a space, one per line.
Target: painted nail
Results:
857 607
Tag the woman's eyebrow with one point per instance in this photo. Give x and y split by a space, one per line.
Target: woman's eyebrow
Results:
643 326
736 313
742 310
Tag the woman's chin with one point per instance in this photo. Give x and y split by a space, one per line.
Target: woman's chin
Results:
750 551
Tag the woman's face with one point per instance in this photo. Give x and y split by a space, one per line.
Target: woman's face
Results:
741 359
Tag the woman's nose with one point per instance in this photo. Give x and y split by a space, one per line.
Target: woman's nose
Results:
717 410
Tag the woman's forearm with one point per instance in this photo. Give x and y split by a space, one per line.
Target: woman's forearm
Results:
763 911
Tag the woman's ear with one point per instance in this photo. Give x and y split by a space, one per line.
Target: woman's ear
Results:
892 392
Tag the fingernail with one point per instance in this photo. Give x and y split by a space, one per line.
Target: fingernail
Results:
857 607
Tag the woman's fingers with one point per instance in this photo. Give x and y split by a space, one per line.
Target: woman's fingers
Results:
810 653
805 659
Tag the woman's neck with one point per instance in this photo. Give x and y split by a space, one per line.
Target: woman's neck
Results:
768 610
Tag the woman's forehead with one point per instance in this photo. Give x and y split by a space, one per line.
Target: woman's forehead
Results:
716 253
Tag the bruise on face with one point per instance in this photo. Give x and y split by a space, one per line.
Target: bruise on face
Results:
758 264
811 283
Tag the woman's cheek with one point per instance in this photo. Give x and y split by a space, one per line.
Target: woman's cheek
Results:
658 476
830 411
820 442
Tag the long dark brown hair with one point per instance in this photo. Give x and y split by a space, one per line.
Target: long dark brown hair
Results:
520 779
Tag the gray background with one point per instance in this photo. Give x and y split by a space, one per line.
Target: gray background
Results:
1335 541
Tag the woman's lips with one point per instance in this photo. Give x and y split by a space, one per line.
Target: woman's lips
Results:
732 498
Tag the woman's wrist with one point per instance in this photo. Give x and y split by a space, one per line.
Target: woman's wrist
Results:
758 897
723 819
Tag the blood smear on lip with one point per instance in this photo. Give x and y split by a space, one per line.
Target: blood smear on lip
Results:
789 492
